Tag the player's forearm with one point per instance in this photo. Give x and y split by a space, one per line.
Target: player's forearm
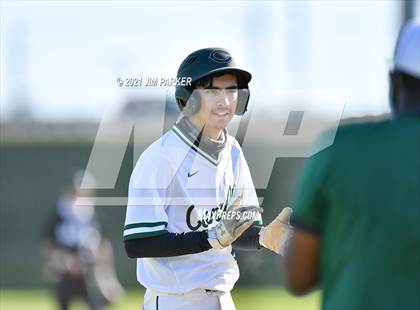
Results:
301 263
167 245
249 240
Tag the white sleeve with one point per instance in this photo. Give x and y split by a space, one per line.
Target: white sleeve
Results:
245 185
148 195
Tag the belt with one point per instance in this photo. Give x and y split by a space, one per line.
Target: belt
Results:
195 292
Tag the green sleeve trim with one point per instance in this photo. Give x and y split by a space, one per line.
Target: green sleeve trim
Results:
145 235
259 222
150 224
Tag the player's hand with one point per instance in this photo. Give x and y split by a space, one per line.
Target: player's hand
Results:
234 222
276 235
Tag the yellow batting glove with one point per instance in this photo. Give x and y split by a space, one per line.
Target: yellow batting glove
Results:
275 236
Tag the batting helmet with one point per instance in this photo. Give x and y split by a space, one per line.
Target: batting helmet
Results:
204 63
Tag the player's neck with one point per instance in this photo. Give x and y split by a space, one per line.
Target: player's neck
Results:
211 132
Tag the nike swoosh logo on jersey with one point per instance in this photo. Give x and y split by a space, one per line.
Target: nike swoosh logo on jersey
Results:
191 174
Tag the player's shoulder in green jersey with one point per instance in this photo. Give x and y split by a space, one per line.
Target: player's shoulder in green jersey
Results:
358 130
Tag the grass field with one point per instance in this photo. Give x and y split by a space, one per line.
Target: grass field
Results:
245 298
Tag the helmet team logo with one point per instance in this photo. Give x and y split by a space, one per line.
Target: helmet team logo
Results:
220 56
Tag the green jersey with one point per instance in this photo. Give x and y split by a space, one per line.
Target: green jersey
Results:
362 195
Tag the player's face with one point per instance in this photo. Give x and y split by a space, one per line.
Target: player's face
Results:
217 104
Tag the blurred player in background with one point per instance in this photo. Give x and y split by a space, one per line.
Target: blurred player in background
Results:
80 262
357 209
182 182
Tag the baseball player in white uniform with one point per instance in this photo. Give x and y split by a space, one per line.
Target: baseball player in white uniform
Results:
191 195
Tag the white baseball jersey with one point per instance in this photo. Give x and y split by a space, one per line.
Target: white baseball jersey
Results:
174 185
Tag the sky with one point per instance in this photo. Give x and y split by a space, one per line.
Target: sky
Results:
60 60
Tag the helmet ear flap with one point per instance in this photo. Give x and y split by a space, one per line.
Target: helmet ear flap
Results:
243 99
188 102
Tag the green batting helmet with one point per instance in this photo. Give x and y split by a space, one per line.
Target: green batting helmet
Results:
207 62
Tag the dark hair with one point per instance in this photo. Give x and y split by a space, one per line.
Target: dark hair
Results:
410 83
207 81
404 91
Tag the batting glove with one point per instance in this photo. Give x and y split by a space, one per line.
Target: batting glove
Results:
276 235
235 221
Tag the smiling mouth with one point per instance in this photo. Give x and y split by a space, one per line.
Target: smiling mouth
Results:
221 113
